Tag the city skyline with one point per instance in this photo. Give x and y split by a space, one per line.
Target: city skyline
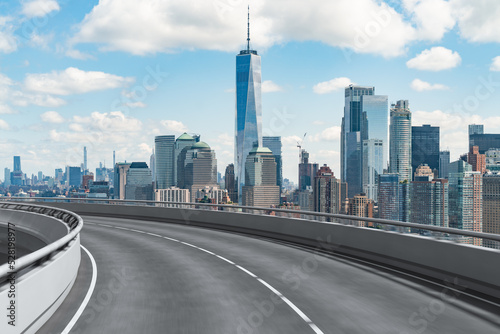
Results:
47 119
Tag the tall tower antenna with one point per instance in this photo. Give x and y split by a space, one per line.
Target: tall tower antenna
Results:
248 33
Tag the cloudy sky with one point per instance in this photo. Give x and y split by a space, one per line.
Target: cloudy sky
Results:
112 74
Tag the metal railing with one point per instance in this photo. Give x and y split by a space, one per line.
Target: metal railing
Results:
437 232
74 222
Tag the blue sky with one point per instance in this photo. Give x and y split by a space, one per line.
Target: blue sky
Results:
110 75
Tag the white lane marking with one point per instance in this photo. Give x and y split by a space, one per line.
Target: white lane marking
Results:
224 259
267 285
248 272
87 296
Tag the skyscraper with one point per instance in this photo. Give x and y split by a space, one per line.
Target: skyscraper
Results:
248 131
200 168
139 186
429 201
476 129
73 176
373 162
326 191
260 187
388 196
400 140
307 171
120 179
425 146
17 163
484 141
183 141
274 144
476 160
6 181
444 162
351 154
85 170
230 183
491 207
466 199
164 158
152 165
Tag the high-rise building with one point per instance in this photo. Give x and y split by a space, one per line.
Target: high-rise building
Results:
86 179
476 160
6 180
139 186
17 163
326 191
360 205
74 176
17 176
184 141
373 162
85 170
425 146
40 176
164 158
152 165
230 183
400 140
476 129
465 199
424 171
248 109
491 207
274 144
260 187
404 201
444 162
353 132
173 194
388 196
200 168
484 141
429 201
307 171
120 179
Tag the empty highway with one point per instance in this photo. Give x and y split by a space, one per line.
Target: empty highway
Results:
154 277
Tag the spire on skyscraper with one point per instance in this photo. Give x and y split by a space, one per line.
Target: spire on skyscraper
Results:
248 32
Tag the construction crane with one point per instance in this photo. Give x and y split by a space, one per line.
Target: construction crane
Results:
299 144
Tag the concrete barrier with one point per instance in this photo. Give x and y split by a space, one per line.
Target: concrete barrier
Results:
473 267
30 297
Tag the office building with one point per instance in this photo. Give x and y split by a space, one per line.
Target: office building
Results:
373 162
173 194
388 196
404 201
164 158
99 187
361 206
73 176
484 141
400 140
211 195
476 129
6 180
120 179
423 171
86 179
139 186
17 177
183 142
200 168
305 199
85 170
274 144
307 171
429 200
260 179
152 166
491 207
230 184
425 147
248 109
476 160
465 199
444 162
326 191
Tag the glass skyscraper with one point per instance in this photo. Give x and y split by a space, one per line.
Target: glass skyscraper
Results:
425 146
400 140
248 132
365 122
164 159
274 144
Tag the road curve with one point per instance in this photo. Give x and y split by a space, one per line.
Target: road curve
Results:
218 282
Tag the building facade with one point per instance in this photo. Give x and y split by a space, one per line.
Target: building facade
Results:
326 191
307 171
491 207
230 184
260 179
139 186
425 147
120 179
476 160
200 168
400 140
164 159
444 162
388 196
172 194
274 144
429 201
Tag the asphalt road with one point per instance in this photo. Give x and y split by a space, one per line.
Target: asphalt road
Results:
151 284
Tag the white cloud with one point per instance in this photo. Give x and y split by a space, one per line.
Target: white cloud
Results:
39 8
173 126
4 125
8 42
77 54
52 117
114 121
326 87
291 140
137 104
435 59
318 123
329 134
432 18
74 81
421 86
495 64
268 87
365 26
478 20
